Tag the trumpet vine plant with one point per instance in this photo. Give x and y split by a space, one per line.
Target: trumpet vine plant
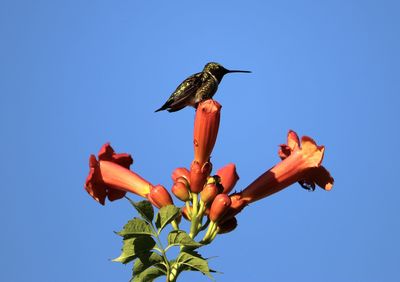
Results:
207 201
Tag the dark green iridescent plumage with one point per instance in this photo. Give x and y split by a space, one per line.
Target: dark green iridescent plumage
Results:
196 88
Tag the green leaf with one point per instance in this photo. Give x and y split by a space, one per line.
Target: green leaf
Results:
144 208
193 261
148 275
133 247
180 237
136 227
166 215
146 260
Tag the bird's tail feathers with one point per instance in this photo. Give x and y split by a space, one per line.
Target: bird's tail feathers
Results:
159 110
163 107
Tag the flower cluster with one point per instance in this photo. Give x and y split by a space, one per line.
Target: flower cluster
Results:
205 195
110 176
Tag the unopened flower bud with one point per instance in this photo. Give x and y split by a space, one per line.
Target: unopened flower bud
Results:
186 213
198 175
180 190
219 207
206 126
209 193
180 172
228 177
159 197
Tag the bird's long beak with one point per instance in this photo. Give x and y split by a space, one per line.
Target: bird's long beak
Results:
230 71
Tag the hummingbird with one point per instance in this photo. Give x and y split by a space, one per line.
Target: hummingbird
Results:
197 87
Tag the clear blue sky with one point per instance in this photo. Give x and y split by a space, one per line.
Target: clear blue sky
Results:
75 74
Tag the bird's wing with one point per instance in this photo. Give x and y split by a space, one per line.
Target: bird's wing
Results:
185 91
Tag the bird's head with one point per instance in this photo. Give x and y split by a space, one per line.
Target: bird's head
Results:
218 70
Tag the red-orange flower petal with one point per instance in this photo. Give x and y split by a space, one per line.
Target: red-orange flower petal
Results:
94 184
107 153
321 177
284 151
228 177
317 176
293 142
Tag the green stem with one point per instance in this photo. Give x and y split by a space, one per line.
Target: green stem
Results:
189 211
198 222
173 274
195 203
205 225
202 209
161 250
212 228
214 234
175 224
194 226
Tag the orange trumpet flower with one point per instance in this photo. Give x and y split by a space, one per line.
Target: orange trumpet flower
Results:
110 177
301 163
206 126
